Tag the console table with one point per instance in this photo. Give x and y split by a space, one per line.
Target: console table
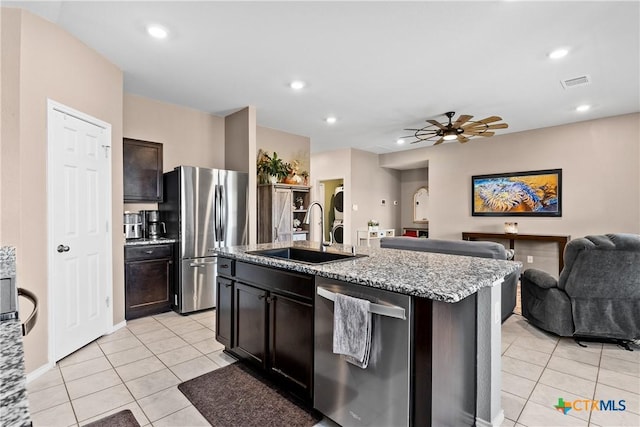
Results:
369 235
560 240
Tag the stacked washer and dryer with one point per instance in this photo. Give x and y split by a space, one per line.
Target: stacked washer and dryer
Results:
337 228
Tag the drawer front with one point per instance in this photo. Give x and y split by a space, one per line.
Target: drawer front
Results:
276 280
147 252
226 267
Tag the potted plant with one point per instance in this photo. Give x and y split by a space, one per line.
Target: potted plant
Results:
305 177
373 225
271 169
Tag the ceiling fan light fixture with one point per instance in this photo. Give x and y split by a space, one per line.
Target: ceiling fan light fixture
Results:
583 108
450 136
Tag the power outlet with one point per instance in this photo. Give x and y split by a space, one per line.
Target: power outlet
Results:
529 259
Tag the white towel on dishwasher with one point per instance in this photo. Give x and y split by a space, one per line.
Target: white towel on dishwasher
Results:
352 329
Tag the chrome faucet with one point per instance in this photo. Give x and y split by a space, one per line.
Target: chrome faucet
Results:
323 243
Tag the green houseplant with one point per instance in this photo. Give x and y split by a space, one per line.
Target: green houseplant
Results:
271 169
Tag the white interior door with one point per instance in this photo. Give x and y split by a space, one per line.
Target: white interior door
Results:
79 175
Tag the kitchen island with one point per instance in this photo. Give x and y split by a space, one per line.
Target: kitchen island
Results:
453 326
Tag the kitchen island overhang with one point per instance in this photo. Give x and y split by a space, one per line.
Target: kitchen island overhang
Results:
439 283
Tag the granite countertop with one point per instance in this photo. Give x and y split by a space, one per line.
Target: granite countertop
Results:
139 242
13 385
440 277
7 262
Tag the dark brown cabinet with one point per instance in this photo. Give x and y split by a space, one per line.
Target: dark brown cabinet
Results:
148 278
224 310
251 323
142 168
271 322
291 340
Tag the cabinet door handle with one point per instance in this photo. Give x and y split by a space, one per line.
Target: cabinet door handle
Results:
150 251
224 266
227 285
261 296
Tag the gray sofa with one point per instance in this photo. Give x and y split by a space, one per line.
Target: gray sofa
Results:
467 248
597 295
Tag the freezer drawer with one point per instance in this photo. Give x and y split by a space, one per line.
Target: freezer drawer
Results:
375 396
198 284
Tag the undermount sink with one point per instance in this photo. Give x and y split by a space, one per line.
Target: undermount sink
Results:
307 256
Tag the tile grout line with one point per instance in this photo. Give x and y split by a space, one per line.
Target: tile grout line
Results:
164 364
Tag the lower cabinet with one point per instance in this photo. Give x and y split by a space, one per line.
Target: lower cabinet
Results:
224 310
291 340
251 323
270 324
148 278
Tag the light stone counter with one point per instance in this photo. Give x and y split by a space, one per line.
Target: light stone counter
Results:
440 277
14 405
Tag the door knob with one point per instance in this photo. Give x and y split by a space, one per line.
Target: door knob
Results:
63 248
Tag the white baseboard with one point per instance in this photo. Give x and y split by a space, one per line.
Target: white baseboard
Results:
118 326
39 372
496 422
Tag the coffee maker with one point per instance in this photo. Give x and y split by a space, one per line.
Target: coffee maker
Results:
133 225
152 226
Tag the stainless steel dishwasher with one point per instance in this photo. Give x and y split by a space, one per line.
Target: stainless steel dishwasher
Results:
379 394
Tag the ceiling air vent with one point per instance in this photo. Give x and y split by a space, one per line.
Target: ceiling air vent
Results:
576 81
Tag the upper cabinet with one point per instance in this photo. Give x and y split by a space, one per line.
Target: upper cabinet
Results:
142 171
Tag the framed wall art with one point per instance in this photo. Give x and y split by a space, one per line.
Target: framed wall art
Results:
532 193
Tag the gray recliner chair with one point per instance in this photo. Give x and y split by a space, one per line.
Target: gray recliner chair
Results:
467 248
597 295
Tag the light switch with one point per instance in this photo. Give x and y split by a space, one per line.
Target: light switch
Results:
354 207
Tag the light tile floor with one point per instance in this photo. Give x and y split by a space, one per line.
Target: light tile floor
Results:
139 367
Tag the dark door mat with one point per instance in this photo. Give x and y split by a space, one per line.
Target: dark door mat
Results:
235 396
119 419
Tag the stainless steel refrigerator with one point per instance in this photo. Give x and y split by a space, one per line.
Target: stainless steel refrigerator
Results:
203 209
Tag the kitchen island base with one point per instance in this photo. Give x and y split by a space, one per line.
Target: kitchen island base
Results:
422 369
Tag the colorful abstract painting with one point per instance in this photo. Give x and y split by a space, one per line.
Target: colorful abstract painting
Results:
533 193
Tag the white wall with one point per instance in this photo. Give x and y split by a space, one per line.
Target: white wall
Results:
365 185
600 162
370 185
330 165
410 181
41 61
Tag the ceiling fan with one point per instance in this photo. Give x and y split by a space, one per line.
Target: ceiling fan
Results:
462 129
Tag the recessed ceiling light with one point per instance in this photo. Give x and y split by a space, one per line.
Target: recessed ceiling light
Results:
297 84
583 108
558 53
157 32
400 141
331 120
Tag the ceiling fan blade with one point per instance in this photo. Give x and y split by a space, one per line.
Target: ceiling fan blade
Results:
461 120
440 141
486 134
437 124
462 138
476 133
481 126
490 119
473 132
498 126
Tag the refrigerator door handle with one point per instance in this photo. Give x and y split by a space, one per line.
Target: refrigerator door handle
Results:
201 264
223 220
216 212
